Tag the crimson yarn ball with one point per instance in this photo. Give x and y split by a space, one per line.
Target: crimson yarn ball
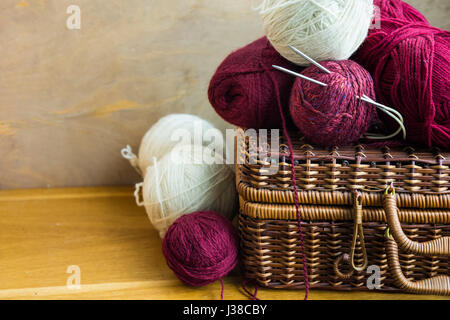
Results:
333 115
242 90
201 247
410 64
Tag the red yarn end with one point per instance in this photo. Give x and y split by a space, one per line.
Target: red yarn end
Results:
223 289
294 183
253 295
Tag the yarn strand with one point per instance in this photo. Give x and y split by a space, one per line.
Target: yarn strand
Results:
253 295
222 290
294 183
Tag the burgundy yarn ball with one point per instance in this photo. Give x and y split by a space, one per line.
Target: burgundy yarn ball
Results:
242 90
201 247
410 64
333 115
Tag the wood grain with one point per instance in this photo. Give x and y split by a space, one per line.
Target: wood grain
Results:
101 230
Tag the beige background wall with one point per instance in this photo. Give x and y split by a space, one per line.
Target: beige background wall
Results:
70 99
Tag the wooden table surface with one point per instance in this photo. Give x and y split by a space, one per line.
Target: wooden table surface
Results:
103 233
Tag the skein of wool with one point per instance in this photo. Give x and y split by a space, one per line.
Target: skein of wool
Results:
182 182
201 248
241 90
409 62
333 115
163 137
322 29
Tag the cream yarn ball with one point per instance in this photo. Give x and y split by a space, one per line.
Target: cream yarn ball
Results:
183 164
322 29
181 183
164 135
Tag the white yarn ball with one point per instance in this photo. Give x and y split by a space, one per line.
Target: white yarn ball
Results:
168 132
322 29
181 182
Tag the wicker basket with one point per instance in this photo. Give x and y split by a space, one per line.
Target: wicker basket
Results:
359 232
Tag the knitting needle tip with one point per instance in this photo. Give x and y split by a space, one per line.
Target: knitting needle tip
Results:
314 62
299 75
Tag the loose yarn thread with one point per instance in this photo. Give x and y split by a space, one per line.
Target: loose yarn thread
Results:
253 295
323 29
294 183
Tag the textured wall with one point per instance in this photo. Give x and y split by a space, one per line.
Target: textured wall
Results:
70 99
436 11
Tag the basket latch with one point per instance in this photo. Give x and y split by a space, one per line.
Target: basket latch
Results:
358 231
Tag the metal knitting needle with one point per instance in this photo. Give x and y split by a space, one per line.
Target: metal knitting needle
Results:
299 75
369 100
364 98
314 62
395 114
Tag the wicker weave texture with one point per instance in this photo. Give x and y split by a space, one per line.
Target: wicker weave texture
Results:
328 183
421 177
271 253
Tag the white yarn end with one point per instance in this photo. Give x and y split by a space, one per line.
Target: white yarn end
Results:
128 154
137 190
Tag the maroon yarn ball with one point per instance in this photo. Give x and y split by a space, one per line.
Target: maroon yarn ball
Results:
201 247
333 115
242 90
410 64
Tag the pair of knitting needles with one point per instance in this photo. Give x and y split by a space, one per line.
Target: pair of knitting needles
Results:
394 114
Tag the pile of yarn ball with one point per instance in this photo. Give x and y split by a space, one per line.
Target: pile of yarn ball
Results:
201 248
333 115
409 61
242 90
322 29
177 179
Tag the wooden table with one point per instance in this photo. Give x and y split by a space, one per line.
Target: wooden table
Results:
45 232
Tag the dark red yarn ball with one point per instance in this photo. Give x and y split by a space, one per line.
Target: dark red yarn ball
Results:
201 247
242 92
410 64
333 115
